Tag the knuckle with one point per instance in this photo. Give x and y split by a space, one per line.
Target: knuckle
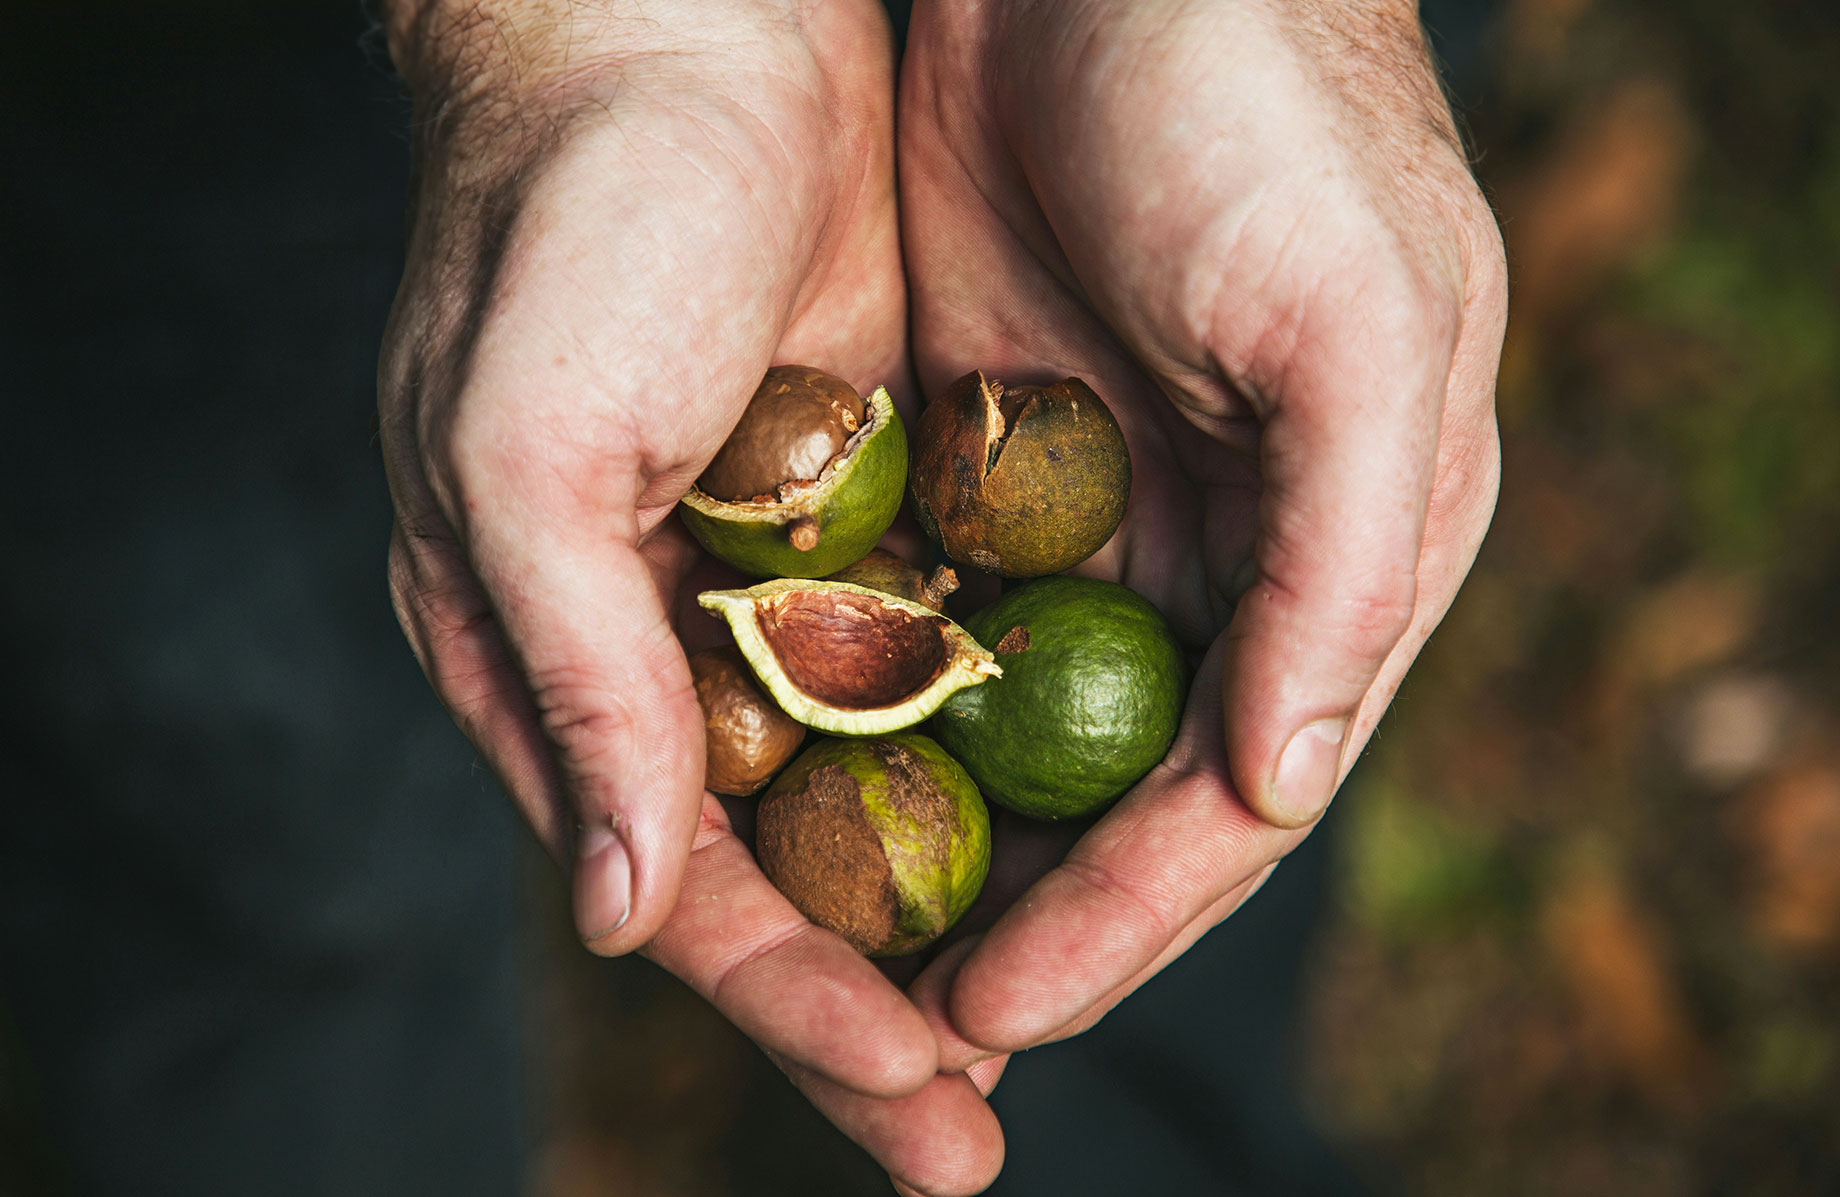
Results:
581 718
474 454
399 571
1365 610
1366 621
431 591
734 973
1468 482
1485 254
536 457
1374 620
1125 903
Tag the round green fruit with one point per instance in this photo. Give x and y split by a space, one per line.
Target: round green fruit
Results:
806 527
884 841
1091 693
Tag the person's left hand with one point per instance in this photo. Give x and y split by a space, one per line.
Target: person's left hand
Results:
1251 228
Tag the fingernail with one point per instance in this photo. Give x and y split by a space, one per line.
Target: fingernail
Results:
603 879
1307 770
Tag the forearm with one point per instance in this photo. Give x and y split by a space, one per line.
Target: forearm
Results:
514 73
528 43
469 55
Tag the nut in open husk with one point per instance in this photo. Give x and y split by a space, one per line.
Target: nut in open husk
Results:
795 425
808 481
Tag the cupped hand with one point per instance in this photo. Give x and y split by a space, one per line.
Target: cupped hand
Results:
622 215
1250 226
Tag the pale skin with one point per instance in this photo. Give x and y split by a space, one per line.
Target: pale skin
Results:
1248 225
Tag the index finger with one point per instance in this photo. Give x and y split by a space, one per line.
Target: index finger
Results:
799 991
1129 889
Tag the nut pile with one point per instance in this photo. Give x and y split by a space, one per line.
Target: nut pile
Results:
1052 701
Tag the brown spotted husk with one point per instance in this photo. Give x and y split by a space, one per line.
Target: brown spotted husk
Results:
884 841
1019 481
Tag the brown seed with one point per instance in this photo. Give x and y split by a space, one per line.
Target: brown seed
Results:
797 423
747 737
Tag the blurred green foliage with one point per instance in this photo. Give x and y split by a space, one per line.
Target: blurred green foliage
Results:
1415 871
1588 938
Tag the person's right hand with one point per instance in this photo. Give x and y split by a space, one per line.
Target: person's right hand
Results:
621 218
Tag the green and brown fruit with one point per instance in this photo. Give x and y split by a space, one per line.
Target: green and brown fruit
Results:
1092 690
883 571
884 841
846 659
746 737
1019 481
808 481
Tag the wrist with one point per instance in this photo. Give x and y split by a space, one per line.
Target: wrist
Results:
1370 55
470 54
463 59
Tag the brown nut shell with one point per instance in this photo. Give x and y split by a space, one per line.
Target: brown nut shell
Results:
799 419
883 571
747 737
1020 481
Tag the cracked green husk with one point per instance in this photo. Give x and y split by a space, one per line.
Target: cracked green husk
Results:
852 502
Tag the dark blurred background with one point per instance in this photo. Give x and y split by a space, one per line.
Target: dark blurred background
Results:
1574 927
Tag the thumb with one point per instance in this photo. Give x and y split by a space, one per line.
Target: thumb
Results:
544 630
1348 454
611 693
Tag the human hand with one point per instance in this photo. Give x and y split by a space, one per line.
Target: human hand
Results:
1251 228
622 215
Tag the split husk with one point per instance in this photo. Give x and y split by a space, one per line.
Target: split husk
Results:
846 659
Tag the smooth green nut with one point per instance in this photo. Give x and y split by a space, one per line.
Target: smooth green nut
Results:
1092 691
885 841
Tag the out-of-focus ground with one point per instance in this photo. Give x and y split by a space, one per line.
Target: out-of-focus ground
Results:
1587 931
1585 937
